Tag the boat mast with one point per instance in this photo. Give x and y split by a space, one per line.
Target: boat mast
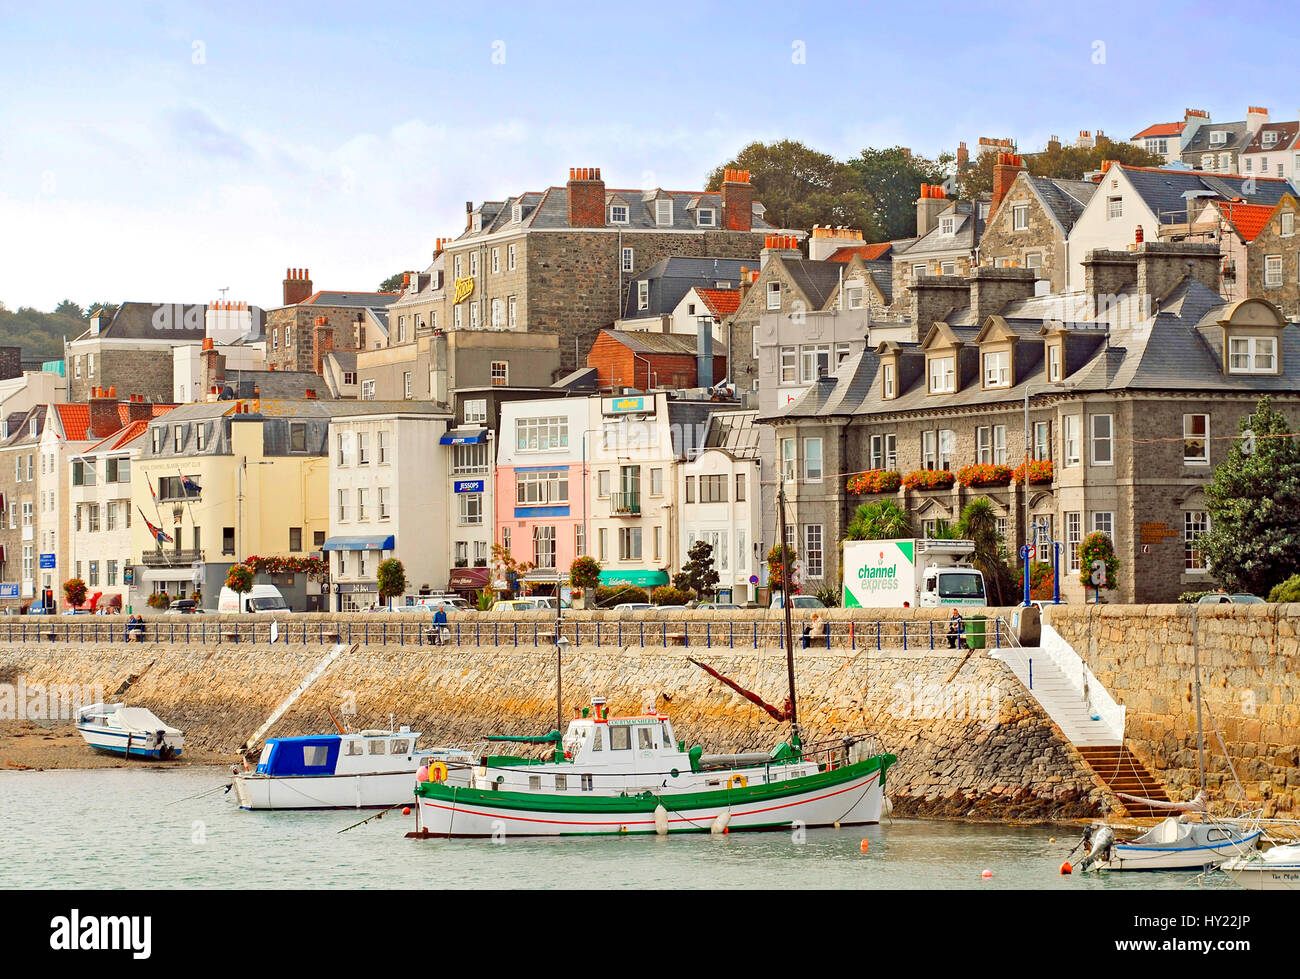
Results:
559 682
1200 733
785 601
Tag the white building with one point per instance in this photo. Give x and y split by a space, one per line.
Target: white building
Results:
187 367
386 500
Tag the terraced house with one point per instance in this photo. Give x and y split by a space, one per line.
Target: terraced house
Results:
1130 405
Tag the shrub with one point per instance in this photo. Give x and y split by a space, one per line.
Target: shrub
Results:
159 599
668 595
585 573
1042 583
1097 547
875 481
1286 591
829 596
74 591
314 568
928 479
781 569
239 579
1040 472
618 594
984 475
1192 597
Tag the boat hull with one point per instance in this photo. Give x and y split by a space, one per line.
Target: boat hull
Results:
368 791
850 796
1152 857
136 746
1268 871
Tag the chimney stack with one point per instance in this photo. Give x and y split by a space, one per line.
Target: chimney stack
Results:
933 199
297 286
737 200
104 416
934 296
1004 174
991 289
787 246
138 409
963 156
826 241
1256 116
586 198
322 343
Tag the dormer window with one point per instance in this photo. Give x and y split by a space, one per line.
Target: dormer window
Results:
477 221
1218 137
706 217
1054 362
618 214
943 375
664 211
1252 355
887 382
997 369
1270 138
946 225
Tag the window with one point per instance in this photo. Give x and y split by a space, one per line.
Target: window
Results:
1073 538
510 257
1042 441
1034 260
544 547
94 574
1249 164
1273 270
512 313
943 378
946 225
664 211
368 390
887 381
918 270
361 504
1195 523
383 446
295 539
629 543
1045 537
1218 137
740 487
471 509
854 295
643 294
1103 453
384 512
1288 224
498 314
92 513
544 488
228 534
1103 522
618 214
363 448
297 437
1054 362
991 445
706 217
541 434
774 295
789 357
713 489
112 573
947 440
813 563
815 362
787 461
496 260
401 329
602 485
947 268
812 460
997 369
475 411
1114 208
656 482
1020 217
473 316
473 264
343 505
627 260
842 353
1196 445
406 384
1071 439
1252 355
884 451
1269 137
178 437
929 449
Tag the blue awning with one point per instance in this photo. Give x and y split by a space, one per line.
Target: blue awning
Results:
360 543
463 436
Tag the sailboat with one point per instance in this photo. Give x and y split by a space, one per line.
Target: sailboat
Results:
614 775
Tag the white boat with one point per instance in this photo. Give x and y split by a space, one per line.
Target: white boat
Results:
129 731
626 775
1179 844
367 770
1275 869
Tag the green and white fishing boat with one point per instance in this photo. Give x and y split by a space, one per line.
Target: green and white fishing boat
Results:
627 775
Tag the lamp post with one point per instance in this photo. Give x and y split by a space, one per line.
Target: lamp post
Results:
1030 541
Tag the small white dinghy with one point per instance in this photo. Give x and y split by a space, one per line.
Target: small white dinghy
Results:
1275 869
129 731
1174 844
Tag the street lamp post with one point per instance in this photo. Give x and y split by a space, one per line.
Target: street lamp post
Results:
1030 542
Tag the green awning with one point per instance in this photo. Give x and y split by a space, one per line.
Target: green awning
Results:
641 579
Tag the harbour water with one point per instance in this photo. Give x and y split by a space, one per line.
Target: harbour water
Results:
144 828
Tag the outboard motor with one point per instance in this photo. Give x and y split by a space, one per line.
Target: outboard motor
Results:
1102 839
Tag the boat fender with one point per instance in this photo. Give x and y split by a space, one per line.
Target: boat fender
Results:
674 773
661 820
438 772
737 780
423 774
720 824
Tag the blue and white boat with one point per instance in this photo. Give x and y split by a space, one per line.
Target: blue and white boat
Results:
133 732
365 770
1181 844
1276 869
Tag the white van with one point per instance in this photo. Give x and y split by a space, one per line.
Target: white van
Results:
263 598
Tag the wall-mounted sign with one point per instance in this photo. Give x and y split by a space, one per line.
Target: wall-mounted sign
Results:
616 406
9 590
47 562
468 486
463 289
128 575
1154 533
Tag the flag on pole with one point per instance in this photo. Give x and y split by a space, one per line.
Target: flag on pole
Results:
149 483
189 486
160 536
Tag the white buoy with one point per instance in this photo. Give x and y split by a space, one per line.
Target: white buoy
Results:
661 820
888 806
720 824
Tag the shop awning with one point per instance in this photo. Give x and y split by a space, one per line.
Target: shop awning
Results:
641 579
463 579
360 543
463 436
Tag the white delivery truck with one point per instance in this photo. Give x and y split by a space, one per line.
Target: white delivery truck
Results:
895 573
263 598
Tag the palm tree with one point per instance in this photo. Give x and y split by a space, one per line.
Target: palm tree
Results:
882 520
980 524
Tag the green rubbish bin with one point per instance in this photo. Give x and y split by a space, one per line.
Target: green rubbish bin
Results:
975 632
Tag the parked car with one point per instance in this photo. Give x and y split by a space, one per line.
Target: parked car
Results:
718 606
1239 598
263 598
184 606
633 607
548 601
401 608
797 601
448 603
514 605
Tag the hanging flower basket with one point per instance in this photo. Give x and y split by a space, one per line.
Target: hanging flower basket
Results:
1040 472
928 479
875 481
984 474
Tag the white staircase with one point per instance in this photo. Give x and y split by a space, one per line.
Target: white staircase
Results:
1056 677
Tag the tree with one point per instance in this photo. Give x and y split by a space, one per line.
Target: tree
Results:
585 573
74 592
504 566
1057 160
698 574
882 520
105 310
239 579
69 308
1253 501
893 178
392 284
391 579
801 187
980 524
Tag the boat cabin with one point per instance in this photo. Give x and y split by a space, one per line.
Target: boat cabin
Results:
338 754
617 741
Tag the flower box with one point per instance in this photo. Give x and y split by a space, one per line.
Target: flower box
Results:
1040 472
984 474
928 479
875 481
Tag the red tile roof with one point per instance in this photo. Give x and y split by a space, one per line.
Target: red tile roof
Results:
868 253
122 437
1161 129
721 302
75 419
1248 219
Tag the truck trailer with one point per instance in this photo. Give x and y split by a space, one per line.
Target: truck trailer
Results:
911 572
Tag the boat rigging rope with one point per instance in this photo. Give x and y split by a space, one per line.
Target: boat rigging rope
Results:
378 815
200 795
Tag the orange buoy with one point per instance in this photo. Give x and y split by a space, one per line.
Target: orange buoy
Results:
987 873
865 844
1066 868
406 810
1052 840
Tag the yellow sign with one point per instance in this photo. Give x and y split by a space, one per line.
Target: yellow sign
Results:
464 289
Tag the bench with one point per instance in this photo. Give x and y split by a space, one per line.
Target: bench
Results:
675 638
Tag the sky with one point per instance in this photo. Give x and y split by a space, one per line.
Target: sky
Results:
160 152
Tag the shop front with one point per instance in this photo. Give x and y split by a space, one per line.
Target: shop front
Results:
468 582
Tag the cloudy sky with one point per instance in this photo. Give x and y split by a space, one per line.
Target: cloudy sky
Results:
162 151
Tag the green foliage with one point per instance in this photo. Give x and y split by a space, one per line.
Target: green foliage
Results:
159 599
39 334
239 579
893 178
882 520
585 573
391 578
979 523
1042 583
483 599
74 591
618 594
69 308
829 596
1192 597
392 284
801 187
1286 591
670 595
1066 161
698 574
781 574
1253 501
1098 547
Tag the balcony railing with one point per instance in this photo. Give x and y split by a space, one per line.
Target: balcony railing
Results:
168 557
626 504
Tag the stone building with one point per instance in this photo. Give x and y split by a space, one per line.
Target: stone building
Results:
1135 389
1272 150
132 349
20 434
309 323
1217 147
947 233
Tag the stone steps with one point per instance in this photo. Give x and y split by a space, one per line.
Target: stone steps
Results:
1058 696
1121 770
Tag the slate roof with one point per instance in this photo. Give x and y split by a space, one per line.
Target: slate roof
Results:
135 321
1064 199
1286 138
657 343
1237 138
962 236
816 280
1166 190
688 421
673 277
365 300
20 425
882 274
